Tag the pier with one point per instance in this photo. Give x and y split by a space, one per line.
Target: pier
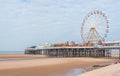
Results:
74 51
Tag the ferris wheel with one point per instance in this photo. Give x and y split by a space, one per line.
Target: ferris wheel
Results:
95 27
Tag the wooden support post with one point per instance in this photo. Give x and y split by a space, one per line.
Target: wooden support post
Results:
110 53
79 52
119 54
90 54
70 52
57 55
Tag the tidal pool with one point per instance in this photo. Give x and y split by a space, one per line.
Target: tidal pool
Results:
75 72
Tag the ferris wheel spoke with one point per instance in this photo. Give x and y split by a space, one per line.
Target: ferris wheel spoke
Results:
101 23
89 22
95 19
99 20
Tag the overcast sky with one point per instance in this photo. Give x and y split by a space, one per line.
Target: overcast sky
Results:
24 23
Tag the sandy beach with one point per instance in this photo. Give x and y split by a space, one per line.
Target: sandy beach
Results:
44 66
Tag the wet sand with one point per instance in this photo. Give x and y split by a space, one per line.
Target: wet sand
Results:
21 56
13 57
46 66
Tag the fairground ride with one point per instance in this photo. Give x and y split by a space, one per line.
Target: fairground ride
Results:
95 27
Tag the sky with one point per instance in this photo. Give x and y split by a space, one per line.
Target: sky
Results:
24 23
